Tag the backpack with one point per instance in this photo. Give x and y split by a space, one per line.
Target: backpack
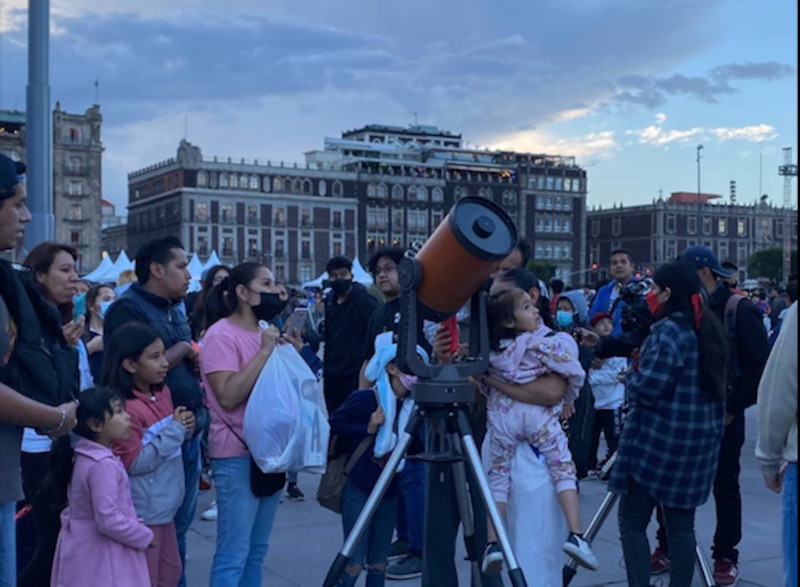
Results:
729 323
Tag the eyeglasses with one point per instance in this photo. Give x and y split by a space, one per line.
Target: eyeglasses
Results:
387 269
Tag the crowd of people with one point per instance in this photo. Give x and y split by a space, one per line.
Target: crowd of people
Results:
118 401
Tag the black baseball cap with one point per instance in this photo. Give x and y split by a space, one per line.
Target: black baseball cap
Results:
10 172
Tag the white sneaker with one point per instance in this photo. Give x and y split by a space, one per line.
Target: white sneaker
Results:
580 551
210 515
493 558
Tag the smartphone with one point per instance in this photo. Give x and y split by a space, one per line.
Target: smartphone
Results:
296 321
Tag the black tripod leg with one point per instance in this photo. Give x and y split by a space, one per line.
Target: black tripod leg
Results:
375 497
467 520
597 521
515 574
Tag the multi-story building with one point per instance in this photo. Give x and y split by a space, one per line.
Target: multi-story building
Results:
376 186
409 178
77 175
656 233
289 217
115 230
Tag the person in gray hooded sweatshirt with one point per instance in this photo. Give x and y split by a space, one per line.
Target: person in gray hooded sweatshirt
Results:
571 313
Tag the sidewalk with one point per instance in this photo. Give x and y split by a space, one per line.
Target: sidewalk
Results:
306 537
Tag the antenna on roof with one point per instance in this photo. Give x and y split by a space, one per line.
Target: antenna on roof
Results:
96 91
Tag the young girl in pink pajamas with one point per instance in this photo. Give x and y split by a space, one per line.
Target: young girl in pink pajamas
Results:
522 350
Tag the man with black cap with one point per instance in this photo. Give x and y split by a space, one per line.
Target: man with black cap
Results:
749 348
16 410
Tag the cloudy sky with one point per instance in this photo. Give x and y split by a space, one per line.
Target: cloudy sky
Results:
629 87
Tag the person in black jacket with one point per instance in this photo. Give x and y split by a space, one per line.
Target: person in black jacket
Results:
749 350
347 312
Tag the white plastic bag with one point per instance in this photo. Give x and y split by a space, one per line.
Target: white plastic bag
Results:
285 421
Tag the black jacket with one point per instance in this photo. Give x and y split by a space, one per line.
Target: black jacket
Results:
346 331
749 350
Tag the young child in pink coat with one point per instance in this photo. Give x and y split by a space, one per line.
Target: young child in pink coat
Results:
102 541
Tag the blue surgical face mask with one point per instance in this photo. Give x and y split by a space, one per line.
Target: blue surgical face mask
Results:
104 308
564 318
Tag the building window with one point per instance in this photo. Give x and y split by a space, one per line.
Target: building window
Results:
280 248
306 273
382 191
558 184
741 254
202 179
372 190
550 183
422 194
252 214
436 217
398 221
723 251
567 184
226 213
566 225
437 195
277 184
691 224
556 224
459 193
74 135
280 272
252 248
672 250
75 238
338 190
234 181
595 227
322 188
254 182
305 249
223 180
75 188
279 217
297 186
722 226
671 224
576 184
307 187
741 227
706 225
305 218
337 249
337 219
397 192
412 193
202 245
509 198
75 212
201 212
616 226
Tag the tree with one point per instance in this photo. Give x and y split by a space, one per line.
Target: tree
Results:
544 271
769 264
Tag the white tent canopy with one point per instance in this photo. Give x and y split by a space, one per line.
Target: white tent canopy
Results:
196 267
359 274
213 259
121 264
98 272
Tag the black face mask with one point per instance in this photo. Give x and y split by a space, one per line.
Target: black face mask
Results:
269 307
341 286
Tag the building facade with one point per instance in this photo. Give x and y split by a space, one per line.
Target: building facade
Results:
375 186
657 233
77 175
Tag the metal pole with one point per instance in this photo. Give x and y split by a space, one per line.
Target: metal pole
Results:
699 148
39 126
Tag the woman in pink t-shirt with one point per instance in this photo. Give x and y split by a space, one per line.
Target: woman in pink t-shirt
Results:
235 350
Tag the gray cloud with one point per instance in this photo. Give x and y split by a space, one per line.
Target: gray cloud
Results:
652 92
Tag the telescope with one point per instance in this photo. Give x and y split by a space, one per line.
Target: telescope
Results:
450 270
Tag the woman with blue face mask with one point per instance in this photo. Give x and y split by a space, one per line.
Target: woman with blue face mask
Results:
98 299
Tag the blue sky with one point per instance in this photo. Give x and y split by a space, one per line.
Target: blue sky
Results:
629 87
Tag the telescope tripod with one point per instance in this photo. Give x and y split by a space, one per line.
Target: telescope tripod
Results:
448 425
600 516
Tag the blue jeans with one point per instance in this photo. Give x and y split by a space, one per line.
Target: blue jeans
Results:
185 515
411 505
244 524
373 547
790 526
8 544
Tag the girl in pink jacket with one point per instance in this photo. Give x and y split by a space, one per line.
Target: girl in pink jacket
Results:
102 541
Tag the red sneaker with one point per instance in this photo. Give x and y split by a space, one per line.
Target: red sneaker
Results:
726 572
659 562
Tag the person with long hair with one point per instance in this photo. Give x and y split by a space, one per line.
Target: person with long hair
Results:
668 451
196 303
102 541
98 300
135 365
236 346
53 269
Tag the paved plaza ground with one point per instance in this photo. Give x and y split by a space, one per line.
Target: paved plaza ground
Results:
306 537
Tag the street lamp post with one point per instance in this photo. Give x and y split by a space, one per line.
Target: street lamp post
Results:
699 148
